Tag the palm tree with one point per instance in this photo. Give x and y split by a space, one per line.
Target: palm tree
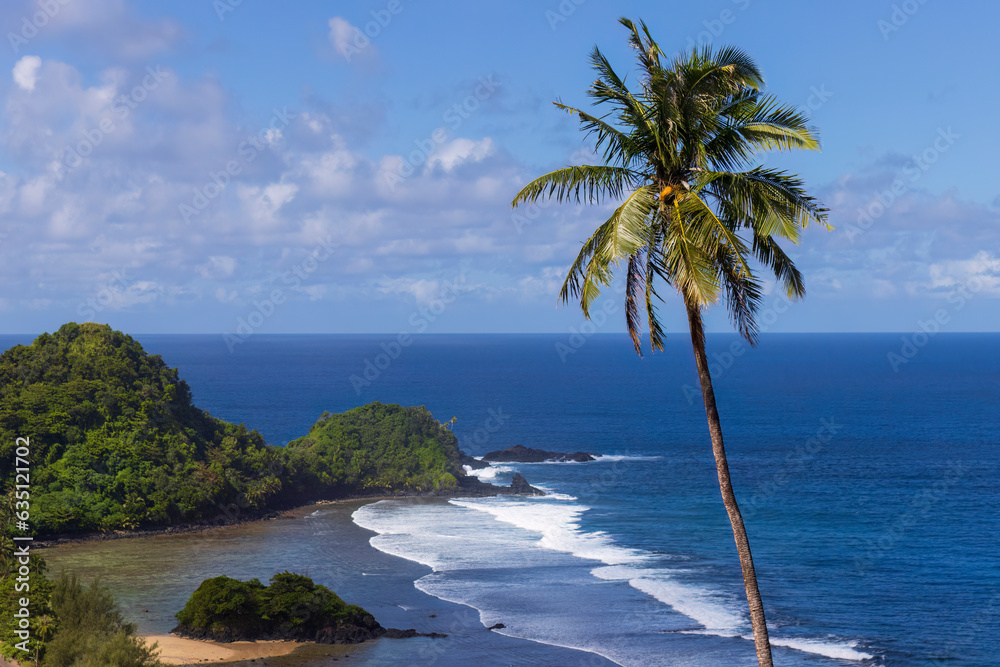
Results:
45 626
695 212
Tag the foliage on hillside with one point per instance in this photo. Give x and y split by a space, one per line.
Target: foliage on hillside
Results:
379 446
115 440
291 607
117 444
68 624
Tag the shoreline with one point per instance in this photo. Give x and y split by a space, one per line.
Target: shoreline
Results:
175 650
472 489
251 518
152 578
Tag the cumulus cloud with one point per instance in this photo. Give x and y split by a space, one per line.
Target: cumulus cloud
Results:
108 28
980 272
892 227
107 162
348 41
460 150
26 72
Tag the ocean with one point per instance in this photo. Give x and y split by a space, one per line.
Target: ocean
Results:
866 467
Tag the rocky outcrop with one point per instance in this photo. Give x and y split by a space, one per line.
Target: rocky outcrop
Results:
472 486
519 486
522 454
473 463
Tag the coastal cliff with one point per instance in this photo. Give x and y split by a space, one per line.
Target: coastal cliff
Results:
117 445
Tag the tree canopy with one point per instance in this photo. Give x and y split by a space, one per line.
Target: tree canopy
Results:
116 443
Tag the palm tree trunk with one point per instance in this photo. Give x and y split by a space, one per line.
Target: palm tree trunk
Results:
757 621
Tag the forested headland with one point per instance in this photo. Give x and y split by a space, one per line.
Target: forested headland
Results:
116 444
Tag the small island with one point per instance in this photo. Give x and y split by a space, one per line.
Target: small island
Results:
290 608
522 454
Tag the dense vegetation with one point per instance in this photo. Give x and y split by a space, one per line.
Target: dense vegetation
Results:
116 443
384 447
291 607
115 440
70 625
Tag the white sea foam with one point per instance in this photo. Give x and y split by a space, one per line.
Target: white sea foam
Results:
696 602
450 537
612 458
830 649
558 525
550 494
488 474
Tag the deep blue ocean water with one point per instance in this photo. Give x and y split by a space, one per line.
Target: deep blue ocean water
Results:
871 493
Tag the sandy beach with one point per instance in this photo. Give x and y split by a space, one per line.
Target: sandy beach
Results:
176 650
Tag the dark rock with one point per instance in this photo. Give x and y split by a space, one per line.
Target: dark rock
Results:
473 463
472 486
522 454
519 485
393 633
497 626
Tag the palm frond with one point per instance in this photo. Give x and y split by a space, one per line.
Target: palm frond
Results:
683 141
581 183
770 254
624 233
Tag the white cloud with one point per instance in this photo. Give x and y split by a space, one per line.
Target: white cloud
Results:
460 150
347 40
218 267
978 273
263 203
422 290
112 27
26 72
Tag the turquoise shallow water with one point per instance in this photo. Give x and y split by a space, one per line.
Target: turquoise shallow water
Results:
152 578
870 494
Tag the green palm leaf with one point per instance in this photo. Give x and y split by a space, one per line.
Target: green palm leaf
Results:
683 144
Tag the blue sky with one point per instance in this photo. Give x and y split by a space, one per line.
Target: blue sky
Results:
218 167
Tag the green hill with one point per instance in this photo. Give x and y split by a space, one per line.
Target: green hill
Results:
115 440
116 444
381 447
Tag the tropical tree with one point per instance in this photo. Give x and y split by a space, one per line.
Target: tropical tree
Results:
696 212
